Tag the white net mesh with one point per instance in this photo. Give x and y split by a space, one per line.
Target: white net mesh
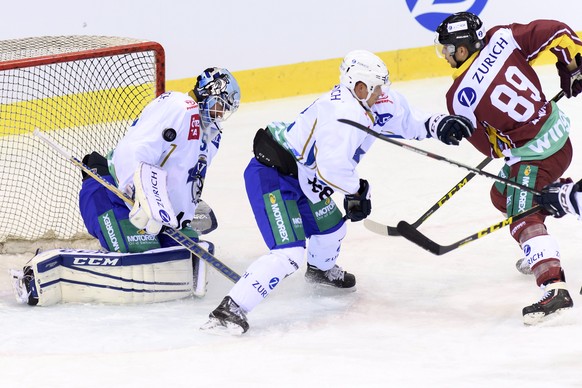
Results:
83 91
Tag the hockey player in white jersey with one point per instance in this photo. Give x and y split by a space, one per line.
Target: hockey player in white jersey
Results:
298 166
161 163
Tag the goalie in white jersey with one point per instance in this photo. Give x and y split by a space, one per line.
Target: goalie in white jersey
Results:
298 166
161 163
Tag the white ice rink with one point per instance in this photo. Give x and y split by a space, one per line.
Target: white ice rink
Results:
416 320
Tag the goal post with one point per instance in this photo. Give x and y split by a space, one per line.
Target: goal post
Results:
85 91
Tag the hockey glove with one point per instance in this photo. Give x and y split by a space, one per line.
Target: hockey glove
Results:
449 129
152 208
571 80
559 198
359 206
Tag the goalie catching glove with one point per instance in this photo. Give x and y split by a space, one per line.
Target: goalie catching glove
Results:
152 208
359 206
449 129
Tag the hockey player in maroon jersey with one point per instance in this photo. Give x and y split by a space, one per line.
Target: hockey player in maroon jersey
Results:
496 87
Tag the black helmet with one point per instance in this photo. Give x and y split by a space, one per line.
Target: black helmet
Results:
462 28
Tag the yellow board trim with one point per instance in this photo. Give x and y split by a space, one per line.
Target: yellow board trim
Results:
57 112
319 76
256 85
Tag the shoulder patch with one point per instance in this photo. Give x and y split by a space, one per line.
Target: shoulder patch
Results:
194 133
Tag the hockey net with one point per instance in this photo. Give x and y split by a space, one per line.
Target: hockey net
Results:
83 91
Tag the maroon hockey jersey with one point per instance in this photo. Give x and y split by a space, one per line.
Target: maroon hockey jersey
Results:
501 93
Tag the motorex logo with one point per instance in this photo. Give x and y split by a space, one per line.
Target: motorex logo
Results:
430 13
467 96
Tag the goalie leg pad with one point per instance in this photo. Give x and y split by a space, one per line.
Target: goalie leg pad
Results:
85 276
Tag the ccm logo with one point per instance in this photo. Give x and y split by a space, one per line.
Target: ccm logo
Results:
95 261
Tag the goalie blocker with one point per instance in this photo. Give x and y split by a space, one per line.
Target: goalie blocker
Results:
86 276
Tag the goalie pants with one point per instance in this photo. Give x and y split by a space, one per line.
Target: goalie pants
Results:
106 217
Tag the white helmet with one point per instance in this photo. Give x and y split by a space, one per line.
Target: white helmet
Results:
363 66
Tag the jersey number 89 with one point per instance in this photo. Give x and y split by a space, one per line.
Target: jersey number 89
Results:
519 108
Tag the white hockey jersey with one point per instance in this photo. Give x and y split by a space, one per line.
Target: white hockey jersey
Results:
393 116
169 134
329 151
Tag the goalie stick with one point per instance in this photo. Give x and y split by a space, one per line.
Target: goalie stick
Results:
387 230
178 236
412 234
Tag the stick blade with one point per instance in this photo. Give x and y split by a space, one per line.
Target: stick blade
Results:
410 233
381 229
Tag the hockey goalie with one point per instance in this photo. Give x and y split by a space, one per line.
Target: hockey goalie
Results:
161 164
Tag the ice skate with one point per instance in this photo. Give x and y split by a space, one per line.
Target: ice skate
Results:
227 319
334 277
555 300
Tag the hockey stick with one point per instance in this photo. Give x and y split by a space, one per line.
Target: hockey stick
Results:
387 230
479 171
439 157
178 236
412 234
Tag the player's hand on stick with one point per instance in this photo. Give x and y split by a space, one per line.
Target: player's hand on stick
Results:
559 198
571 76
450 129
359 206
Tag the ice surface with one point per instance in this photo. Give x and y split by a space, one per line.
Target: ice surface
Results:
416 320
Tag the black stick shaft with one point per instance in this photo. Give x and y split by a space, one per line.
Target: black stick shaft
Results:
412 234
479 171
438 157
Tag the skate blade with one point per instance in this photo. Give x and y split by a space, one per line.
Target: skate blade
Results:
321 289
215 327
539 319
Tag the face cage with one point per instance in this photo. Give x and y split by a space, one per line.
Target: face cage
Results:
216 109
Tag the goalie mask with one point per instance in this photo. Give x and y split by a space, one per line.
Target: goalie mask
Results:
459 29
217 94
